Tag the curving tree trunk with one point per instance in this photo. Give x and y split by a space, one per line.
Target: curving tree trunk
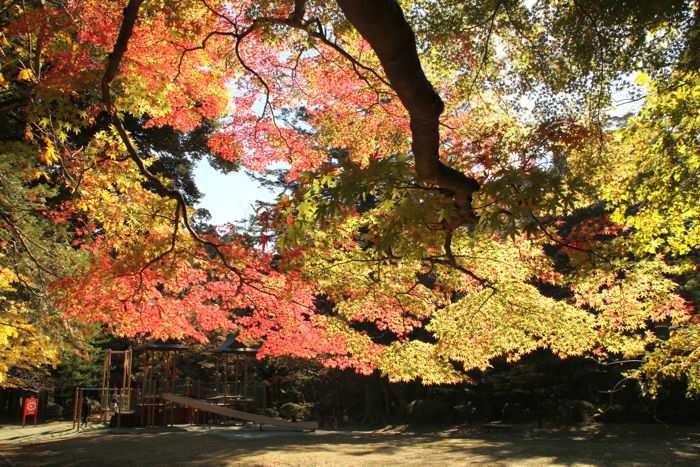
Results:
383 25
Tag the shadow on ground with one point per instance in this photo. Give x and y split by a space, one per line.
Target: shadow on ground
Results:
623 445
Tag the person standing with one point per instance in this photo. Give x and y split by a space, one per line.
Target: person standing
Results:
115 402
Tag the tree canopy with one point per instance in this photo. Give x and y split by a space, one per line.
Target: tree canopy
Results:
462 180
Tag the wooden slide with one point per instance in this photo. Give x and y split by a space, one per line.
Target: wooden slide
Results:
237 414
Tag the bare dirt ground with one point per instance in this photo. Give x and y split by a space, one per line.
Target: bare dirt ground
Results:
643 445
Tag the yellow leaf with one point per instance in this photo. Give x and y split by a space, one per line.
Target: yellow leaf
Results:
3 81
643 80
39 174
48 155
25 74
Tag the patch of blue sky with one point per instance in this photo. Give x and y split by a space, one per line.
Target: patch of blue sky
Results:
229 198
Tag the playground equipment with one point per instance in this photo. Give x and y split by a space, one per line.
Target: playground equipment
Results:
158 374
114 400
237 414
154 392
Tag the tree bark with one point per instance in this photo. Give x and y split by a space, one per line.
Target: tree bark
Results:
383 25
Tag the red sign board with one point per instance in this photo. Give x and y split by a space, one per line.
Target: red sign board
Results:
30 409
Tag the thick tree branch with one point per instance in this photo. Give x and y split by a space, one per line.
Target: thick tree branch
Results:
382 24
297 15
131 12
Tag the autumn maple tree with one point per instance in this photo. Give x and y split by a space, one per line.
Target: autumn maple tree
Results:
455 188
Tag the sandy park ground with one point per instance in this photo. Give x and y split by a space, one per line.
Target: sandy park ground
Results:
57 444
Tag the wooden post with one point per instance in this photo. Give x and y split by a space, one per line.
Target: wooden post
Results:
245 377
126 382
226 378
76 420
104 402
80 408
